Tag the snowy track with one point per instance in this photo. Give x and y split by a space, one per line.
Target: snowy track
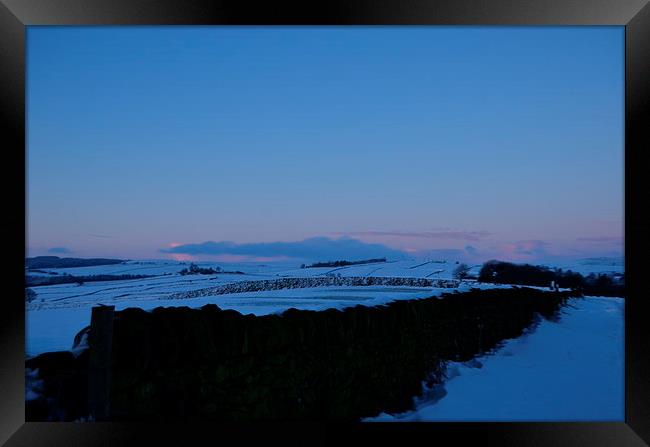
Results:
570 370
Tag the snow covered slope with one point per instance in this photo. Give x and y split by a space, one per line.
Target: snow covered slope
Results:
60 311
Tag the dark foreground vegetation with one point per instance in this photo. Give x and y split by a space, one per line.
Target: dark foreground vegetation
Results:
212 364
34 281
343 263
533 275
54 262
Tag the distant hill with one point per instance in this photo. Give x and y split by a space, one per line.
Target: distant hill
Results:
53 262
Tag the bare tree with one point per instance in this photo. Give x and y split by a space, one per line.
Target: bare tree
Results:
30 295
461 272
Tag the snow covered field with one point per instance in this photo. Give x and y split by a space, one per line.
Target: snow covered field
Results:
60 311
568 370
53 328
571 370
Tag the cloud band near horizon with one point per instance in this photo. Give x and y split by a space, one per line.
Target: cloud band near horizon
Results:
312 248
324 248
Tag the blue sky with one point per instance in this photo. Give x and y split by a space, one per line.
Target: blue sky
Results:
144 142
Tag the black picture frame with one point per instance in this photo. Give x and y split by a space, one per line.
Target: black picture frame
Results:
15 15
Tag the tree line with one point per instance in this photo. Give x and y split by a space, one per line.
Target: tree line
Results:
342 263
601 284
33 281
196 270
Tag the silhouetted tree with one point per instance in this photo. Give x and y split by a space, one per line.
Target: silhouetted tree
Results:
196 270
601 284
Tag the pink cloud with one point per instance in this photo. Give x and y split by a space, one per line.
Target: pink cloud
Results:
181 257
